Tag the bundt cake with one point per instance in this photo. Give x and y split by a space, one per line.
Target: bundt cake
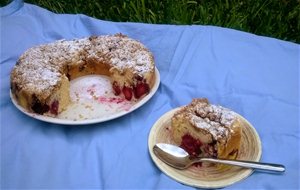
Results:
40 78
207 130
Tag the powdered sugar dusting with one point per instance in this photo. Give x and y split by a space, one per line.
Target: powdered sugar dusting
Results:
215 119
123 53
40 68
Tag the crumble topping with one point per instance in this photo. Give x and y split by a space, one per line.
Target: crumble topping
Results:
40 68
214 119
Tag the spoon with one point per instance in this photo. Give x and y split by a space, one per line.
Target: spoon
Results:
180 159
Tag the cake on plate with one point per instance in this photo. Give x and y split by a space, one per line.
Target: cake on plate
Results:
207 130
40 80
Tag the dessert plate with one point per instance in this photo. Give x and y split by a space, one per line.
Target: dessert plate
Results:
208 176
93 101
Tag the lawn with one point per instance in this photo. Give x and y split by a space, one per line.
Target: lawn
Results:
274 18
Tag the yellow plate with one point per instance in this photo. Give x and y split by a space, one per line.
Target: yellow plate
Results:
209 176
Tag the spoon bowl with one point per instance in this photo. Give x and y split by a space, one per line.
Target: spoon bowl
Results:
172 155
180 159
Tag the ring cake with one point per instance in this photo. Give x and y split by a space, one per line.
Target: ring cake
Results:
207 130
40 79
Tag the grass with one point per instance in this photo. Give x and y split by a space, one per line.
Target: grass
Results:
274 18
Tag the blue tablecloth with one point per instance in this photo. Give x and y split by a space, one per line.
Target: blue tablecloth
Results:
255 76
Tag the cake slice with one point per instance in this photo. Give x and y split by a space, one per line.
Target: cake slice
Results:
207 130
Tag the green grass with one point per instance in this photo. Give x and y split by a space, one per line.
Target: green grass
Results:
274 18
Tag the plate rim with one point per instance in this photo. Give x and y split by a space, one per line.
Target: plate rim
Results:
161 166
94 120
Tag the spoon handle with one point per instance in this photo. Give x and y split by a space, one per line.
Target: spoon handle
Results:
247 164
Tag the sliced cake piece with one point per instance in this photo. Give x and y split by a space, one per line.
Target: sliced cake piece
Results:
207 130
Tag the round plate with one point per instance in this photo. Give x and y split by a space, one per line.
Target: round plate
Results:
93 101
208 176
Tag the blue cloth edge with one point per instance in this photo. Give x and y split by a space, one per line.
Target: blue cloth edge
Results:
11 8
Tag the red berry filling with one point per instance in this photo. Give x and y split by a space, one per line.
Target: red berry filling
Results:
196 148
54 107
191 145
140 89
116 88
127 91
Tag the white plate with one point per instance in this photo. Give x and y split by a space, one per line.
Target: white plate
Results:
209 176
93 101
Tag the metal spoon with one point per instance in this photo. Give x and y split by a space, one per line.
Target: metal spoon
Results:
180 159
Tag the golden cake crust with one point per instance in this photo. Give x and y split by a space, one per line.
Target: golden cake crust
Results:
43 70
212 125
